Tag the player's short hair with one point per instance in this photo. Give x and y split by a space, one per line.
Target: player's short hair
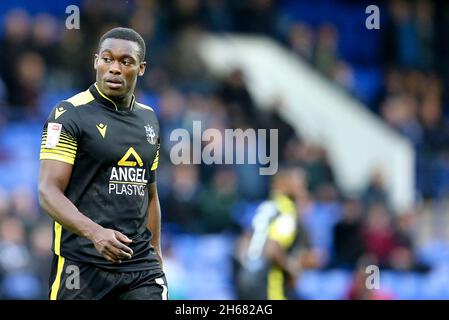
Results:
126 34
287 170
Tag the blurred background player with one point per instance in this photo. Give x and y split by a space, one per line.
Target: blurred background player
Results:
271 255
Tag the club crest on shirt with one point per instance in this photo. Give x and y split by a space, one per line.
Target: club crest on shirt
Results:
151 135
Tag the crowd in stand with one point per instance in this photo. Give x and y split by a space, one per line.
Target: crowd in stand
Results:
39 56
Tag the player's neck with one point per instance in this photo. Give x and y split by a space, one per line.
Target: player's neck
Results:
120 103
124 103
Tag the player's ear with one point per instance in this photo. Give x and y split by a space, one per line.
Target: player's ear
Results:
96 61
142 68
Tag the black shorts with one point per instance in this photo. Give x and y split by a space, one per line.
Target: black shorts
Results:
71 280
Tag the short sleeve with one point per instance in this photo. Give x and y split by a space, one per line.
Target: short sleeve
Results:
60 134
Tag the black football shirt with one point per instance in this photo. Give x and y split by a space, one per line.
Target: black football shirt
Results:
115 155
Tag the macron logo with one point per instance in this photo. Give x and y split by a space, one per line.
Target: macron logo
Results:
59 112
102 129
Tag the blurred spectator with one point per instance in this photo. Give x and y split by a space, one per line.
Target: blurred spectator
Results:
218 15
376 191
343 75
182 206
402 45
378 234
183 14
313 159
157 81
435 137
4 203
272 119
359 289
402 257
258 17
44 37
69 72
23 205
400 113
145 22
238 101
325 53
41 241
172 108
348 244
3 98
184 61
301 41
319 217
14 255
26 91
425 26
14 44
216 201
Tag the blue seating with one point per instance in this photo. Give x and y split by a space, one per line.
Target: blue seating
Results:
368 82
207 261
329 285
243 213
21 286
50 98
320 222
434 253
334 284
56 8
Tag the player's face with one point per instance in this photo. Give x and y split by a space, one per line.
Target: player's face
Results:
118 66
297 184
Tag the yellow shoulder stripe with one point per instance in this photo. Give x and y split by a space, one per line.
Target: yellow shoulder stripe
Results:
58 152
58 157
156 159
61 149
81 98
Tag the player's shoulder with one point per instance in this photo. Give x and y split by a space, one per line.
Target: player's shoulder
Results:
265 212
74 102
146 113
67 109
80 99
141 106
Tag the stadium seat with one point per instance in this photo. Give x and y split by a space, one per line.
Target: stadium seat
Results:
20 285
434 253
329 285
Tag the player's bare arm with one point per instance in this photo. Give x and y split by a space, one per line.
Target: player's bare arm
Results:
53 180
154 219
276 254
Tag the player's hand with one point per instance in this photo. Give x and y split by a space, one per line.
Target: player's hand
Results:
309 260
111 244
159 258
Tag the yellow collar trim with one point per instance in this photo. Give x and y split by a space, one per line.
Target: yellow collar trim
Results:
104 96
133 99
